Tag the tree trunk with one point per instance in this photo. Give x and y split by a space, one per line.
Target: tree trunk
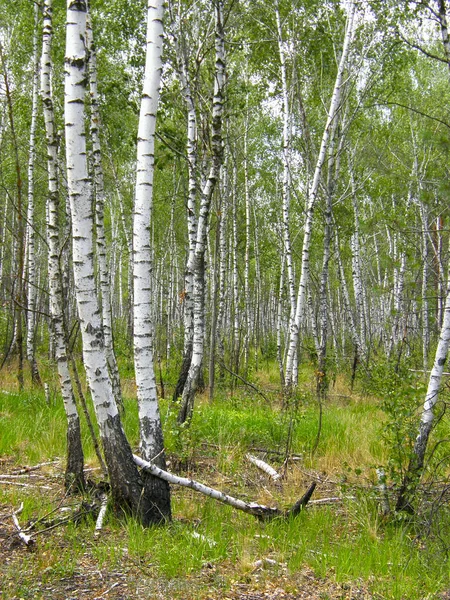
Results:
74 476
127 489
151 437
197 264
414 472
312 196
105 286
31 283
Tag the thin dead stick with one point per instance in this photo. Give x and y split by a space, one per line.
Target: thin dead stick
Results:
26 539
25 485
101 514
25 470
257 510
21 476
330 500
222 364
263 466
114 585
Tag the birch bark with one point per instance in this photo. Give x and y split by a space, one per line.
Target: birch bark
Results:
127 488
312 197
197 264
31 235
151 437
286 189
99 188
74 477
415 469
192 159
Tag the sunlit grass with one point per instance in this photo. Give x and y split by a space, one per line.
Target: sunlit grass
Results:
346 543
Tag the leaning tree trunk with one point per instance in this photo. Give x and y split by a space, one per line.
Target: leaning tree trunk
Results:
151 437
414 472
312 197
192 160
127 490
74 477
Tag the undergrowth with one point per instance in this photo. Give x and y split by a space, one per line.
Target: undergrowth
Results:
348 542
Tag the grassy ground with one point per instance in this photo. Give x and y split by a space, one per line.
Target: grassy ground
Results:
343 549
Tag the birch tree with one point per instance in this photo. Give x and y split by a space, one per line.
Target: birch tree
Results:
151 438
127 488
74 476
31 234
105 294
197 258
311 202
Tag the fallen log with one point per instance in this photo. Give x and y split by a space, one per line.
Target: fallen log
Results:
26 539
264 513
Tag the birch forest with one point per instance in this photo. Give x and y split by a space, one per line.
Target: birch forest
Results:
224 279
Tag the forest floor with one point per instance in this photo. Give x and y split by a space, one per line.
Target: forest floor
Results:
38 571
340 549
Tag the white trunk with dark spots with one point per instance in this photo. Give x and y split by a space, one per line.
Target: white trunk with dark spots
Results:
75 459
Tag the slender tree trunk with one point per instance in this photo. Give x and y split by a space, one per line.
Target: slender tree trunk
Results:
198 264
105 286
151 437
18 297
312 197
74 476
192 156
286 189
414 472
31 235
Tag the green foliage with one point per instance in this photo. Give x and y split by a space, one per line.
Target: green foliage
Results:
401 392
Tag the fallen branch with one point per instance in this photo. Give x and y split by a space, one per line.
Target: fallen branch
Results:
101 514
35 467
257 510
263 466
25 485
26 539
330 500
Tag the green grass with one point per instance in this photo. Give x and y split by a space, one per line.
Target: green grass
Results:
209 545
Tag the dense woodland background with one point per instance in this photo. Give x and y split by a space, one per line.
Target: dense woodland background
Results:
385 171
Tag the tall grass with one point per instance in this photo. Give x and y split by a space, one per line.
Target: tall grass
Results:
348 543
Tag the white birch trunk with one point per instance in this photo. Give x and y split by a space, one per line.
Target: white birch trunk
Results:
103 274
247 248
312 196
192 159
128 492
286 190
74 477
31 236
416 466
151 437
197 266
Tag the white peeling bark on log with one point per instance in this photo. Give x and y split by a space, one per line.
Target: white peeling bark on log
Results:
26 539
253 508
101 515
263 466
